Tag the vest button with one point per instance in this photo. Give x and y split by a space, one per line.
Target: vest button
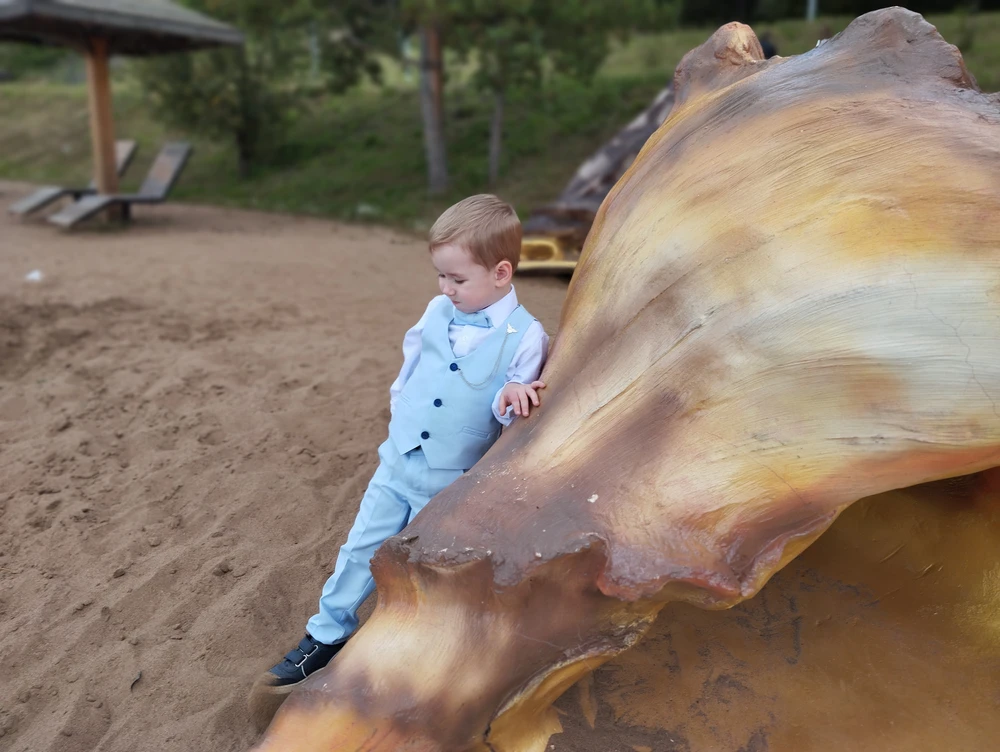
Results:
437 403
425 435
454 366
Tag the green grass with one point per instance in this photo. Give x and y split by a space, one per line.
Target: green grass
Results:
356 157
360 156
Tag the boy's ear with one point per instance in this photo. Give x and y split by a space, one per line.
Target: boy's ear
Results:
504 272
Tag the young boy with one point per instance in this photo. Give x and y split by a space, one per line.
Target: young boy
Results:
470 365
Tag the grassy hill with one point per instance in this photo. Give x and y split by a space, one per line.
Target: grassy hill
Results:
360 156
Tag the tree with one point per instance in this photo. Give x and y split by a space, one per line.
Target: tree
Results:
432 107
18 59
515 41
428 18
510 45
248 94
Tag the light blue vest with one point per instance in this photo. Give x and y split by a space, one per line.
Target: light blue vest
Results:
446 406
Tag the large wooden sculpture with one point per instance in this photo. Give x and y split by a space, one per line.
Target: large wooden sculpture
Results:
790 301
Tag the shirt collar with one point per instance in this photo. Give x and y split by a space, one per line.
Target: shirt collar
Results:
499 311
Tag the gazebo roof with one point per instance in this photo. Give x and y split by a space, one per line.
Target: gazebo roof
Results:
132 27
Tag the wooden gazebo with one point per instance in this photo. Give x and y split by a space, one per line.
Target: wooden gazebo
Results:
101 28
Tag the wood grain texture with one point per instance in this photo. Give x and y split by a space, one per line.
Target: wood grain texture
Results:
788 303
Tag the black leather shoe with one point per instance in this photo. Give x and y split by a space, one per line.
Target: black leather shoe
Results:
274 685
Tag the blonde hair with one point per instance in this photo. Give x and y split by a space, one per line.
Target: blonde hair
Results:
485 225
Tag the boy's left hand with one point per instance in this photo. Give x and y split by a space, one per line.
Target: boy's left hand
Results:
521 396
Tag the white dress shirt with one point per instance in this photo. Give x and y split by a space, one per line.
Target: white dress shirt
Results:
524 367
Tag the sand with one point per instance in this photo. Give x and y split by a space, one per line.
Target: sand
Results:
189 412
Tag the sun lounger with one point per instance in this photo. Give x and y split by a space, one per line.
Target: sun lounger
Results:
155 188
124 151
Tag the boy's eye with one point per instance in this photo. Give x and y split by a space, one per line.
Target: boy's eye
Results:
459 281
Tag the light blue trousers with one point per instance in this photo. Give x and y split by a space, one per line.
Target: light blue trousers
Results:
401 487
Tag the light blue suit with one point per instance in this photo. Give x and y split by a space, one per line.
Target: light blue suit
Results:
442 424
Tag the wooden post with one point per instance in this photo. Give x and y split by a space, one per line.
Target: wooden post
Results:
102 129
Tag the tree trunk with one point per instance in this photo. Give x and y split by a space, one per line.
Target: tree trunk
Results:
248 127
432 109
315 57
496 137
244 156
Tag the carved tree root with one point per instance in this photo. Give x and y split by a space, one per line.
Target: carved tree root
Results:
789 302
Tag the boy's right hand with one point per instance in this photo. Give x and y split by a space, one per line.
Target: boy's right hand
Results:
521 396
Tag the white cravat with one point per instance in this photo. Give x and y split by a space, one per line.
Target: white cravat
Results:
524 366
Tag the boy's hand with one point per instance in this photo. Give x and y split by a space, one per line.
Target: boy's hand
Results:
521 396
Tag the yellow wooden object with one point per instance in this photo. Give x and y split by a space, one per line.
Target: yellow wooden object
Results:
542 254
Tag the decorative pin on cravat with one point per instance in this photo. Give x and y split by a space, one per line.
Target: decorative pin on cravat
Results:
511 330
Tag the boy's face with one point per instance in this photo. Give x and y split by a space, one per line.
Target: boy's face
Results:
469 286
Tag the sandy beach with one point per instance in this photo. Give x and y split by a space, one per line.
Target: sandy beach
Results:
190 409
